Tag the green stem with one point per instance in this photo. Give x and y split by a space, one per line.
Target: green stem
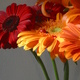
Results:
66 71
41 64
55 70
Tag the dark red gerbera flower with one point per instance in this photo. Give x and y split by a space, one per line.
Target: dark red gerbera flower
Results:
16 19
54 8
51 8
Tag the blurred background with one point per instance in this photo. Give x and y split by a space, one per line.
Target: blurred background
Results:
17 64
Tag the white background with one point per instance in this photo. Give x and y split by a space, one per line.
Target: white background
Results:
17 64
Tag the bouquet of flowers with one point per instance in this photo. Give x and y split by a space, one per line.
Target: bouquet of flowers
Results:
49 24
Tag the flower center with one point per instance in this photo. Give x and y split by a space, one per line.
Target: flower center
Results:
10 23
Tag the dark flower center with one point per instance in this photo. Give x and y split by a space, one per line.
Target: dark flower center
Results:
10 23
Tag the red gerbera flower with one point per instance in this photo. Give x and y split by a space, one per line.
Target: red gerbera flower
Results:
51 8
16 19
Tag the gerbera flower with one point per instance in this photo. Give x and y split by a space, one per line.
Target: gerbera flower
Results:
71 43
47 10
34 39
50 9
42 39
66 3
16 19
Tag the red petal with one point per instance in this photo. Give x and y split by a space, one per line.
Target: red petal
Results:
9 11
2 34
4 39
14 8
18 9
13 37
0 26
25 22
27 10
26 16
3 16
21 9
21 28
7 45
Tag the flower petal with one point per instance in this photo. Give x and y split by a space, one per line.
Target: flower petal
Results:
8 10
3 16
75 3
14 8
76 57
26 16
25 22
21 28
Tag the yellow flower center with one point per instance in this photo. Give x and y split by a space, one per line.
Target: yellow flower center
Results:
52 26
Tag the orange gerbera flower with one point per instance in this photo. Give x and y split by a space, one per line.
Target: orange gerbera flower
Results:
71 43
32 39
41 40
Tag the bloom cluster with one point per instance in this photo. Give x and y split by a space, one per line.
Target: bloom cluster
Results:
49 24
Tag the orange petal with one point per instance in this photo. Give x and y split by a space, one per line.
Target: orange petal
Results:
76 3
65 43
35 47
39 53
53 55
62 57
66 3
26 47
22 43
52 46
76 57
74 30
26 33
68 55
70 16
48 41
32 44
41 47
58 16
43 9
23 38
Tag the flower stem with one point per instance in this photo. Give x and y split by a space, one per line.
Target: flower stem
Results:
66 71
41 64
55 70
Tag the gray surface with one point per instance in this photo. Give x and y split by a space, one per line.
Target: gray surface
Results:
17 64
